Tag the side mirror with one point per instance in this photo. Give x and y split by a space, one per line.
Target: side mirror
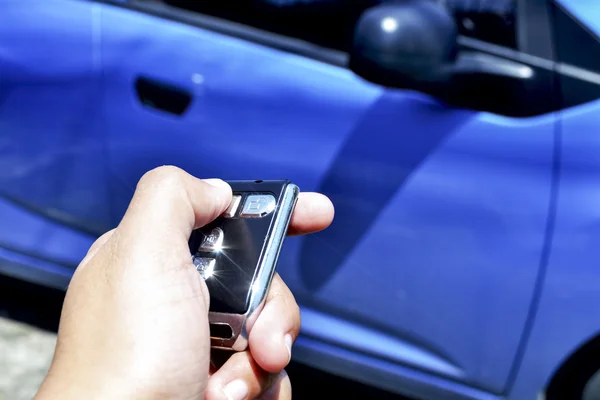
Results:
410 44
413 44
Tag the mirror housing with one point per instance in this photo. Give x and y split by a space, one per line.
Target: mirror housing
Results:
409 44
413 44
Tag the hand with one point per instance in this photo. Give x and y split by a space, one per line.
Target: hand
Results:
134 323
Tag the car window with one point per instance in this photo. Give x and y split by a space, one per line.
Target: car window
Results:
492 21
330 23
326 23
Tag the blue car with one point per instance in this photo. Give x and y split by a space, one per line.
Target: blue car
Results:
459 141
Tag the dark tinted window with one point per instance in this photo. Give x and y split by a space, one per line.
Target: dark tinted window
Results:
492 21
326 23
330 23
575 43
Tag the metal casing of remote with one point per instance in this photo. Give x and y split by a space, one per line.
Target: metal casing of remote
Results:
237 254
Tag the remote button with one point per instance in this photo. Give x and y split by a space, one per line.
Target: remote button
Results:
213 241
205 266
258 205
233 206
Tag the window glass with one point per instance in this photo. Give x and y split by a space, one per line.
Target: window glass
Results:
330 23
492 21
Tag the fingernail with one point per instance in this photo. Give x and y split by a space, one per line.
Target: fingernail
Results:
236 390
223 192
217 182
288 344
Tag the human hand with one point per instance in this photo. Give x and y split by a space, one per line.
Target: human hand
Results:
134 323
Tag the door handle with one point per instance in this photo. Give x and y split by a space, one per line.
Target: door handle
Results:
162 96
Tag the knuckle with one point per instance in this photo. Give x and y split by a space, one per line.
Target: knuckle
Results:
288 302
165 179
295 312
101 241
105 236
293 309
167 175
97 243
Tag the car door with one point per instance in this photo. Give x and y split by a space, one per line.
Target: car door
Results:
425 279
566 329
52 186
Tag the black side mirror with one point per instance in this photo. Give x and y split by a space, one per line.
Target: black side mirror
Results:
410 44
413 44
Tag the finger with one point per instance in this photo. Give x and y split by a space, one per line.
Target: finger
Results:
281 389
276 328
314 212
239 378
97 245
168 204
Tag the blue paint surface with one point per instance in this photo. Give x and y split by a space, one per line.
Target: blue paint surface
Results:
567 316
426 280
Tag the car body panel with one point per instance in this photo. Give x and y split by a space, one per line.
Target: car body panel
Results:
567 315
52 152
424 282
38 249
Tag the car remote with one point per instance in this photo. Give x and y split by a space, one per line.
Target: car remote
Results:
237 253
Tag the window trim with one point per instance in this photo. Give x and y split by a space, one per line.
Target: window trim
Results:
534 48
234 29
535 44
534 28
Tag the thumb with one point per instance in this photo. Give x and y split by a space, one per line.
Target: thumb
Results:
167 205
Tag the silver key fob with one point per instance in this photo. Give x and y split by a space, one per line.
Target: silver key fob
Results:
237 254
